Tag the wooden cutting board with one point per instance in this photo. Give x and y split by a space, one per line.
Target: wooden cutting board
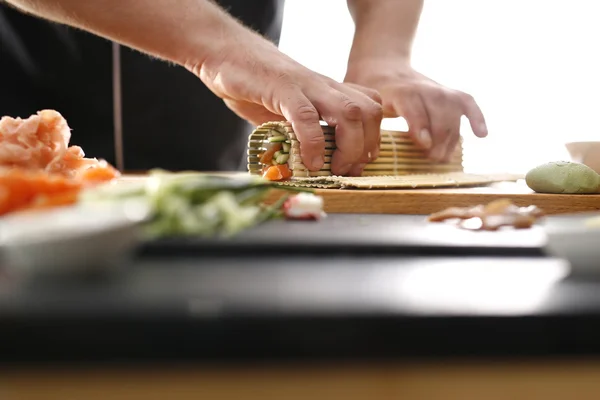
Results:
427 201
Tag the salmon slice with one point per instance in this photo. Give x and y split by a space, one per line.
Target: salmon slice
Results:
20 188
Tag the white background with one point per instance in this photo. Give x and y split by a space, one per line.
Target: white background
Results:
532 65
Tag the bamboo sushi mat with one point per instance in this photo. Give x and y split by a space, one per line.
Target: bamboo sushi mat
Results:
401 163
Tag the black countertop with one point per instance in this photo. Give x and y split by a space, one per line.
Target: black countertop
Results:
231 307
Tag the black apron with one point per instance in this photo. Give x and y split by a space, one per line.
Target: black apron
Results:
170 119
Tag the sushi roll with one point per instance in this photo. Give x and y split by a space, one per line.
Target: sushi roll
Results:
274 152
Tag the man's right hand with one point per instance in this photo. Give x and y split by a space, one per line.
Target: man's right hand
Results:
249 73
261 84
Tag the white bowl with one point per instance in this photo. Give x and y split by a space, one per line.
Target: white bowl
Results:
575 238
70 241
587 153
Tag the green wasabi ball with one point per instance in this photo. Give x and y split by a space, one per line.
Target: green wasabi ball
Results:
563 177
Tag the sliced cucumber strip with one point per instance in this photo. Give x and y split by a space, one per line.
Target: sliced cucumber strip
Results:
282 158
277 139
286 147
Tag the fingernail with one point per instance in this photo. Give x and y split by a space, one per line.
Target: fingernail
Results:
484 130
317 162
424 138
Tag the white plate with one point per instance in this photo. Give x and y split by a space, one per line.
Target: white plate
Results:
571 237
70 240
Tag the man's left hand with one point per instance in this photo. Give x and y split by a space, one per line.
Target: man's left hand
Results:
433 112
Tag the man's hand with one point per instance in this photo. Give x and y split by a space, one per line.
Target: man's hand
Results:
250 74
261 84
433 112
380 59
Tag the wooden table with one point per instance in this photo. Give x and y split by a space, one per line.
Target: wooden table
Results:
544 381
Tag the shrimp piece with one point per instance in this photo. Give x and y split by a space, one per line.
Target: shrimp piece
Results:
75 165
75 160
55 134
17 139
68 164
34 143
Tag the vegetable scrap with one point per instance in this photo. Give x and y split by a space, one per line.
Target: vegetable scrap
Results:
304 206
490 217
38 169
204 205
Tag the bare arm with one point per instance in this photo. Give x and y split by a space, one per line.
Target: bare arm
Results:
254 79
381 59
185 32
384 27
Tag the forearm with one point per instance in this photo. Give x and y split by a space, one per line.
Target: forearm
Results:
384 28
185 32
